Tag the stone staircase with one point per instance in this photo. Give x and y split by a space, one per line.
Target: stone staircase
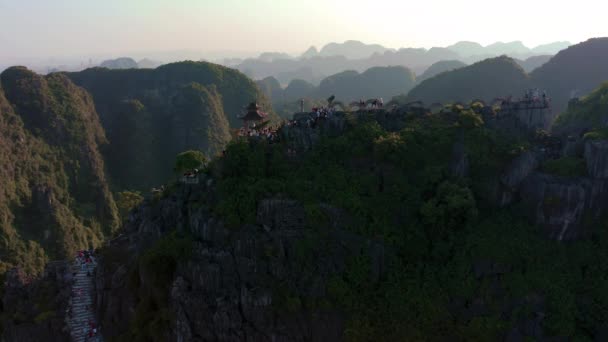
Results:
81 303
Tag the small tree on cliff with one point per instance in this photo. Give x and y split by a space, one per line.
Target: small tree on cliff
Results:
126 201
189 160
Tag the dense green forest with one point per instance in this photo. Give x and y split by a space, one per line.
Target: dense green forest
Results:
54 195
459 267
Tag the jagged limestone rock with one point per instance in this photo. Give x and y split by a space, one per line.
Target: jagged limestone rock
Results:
596 156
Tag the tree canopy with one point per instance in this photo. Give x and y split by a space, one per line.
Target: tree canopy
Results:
189 160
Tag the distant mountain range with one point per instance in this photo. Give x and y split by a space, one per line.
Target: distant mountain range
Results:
573 72
314 65
129 63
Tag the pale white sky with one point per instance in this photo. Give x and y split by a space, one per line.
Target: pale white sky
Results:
46 28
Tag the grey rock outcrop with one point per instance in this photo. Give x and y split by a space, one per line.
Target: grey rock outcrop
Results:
562 205
519 169
596 156
459 164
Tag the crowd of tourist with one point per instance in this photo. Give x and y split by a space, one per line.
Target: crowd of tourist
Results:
269 133
84 259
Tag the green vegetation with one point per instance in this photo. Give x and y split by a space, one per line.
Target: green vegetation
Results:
396 188
597 134
54 197
571 73
566 167
189 160
589 112
127 201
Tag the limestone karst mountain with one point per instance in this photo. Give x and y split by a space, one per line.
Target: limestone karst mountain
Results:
551 48
352 49
439 67
531 63
574 72
378 82
486 80
313 65
120 63
150 115
54 195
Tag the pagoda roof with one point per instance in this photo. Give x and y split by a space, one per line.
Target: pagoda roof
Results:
254 113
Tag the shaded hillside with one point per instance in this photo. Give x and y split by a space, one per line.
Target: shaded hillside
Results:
438 68
315 68
551 48
514 49
377 82
533 62
311 52
271 87
590 113
347 86
150 115
486 80
467 49
298 89
511 48
574 72
351 49
120 63
54 195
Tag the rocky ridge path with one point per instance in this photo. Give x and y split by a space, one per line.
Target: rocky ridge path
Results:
81 302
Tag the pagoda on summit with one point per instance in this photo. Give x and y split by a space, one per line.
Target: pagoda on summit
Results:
253 114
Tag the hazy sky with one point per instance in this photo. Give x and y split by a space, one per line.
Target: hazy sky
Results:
118 27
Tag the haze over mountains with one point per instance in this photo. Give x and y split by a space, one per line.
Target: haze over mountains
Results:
330 59
313 65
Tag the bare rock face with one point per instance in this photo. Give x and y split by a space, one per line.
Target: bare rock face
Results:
596 156
459 165
519 169
563 206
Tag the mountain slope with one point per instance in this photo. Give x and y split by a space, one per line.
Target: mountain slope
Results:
551 48
439 67
351 49
271 87
533 62
590 113
574 72
54 195
161 112
486 80
467 49
120 63
373 83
